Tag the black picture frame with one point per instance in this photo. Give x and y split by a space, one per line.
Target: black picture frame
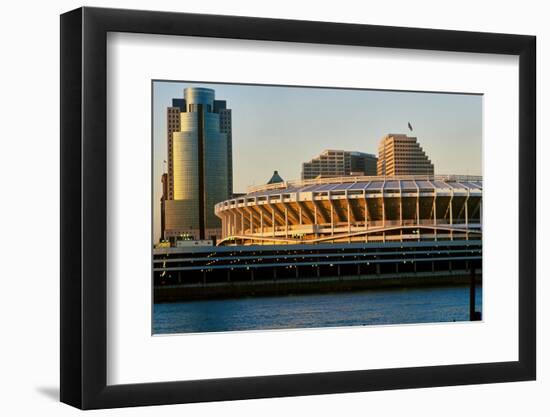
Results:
84 207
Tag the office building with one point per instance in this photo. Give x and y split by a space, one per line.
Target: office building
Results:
338 163
402 155
362 163
199 164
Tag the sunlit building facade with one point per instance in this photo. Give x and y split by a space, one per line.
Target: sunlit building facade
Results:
355 209
338 163
199 164
400 154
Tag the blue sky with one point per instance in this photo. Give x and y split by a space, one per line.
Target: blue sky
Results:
278 128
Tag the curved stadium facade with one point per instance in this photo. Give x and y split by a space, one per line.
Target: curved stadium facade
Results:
355 209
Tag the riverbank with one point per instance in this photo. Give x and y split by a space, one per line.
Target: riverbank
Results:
332 284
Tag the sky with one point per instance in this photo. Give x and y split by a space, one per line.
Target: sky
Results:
279 128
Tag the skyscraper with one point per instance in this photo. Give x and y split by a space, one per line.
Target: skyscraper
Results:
199 163
362 163
172 125
337 163
402 155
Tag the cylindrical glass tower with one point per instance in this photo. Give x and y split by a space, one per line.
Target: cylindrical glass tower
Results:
200 160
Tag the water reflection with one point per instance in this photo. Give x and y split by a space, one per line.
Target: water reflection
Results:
393 306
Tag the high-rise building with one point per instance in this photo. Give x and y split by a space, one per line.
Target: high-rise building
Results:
199 164
172 125
402 155
337 163
220 107
362 163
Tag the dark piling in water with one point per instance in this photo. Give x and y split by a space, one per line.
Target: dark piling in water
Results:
474 315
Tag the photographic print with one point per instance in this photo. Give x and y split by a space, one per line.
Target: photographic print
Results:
291 207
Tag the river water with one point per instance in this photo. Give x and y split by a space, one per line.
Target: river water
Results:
373 307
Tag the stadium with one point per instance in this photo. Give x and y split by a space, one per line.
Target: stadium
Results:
355 209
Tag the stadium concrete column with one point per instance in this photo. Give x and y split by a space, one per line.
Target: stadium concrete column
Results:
348 213
366 208
433 209
451 212
466 215
366 216
273 220
383 212
260 214
417 209
314 214
251 222
331 214
435 213
262 223
228 221
227 225
400 216
286 221
400 204
383 204
242 223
